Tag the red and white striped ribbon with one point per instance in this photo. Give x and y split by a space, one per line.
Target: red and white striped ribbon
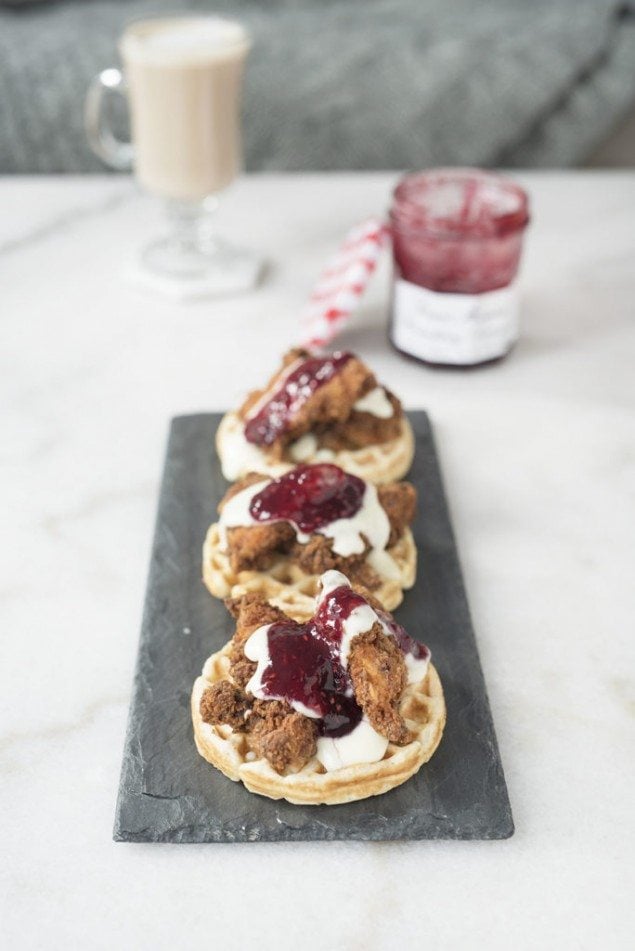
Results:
342 283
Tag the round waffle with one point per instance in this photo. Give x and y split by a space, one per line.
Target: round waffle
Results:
288 587
422 706
381 463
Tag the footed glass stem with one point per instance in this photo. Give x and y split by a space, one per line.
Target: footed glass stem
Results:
191 260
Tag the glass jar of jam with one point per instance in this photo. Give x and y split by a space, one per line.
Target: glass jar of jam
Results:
457 237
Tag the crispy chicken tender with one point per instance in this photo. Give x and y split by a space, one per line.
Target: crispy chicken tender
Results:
378 672
286 738
253 547
363 575
251 612
241 669
332 403
291 746
267 715
317 556
361 429
399 501
225 703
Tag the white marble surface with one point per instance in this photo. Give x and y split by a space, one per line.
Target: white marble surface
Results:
539 460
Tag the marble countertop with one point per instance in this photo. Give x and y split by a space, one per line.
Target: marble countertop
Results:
539 466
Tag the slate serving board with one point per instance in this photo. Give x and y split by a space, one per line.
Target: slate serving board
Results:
168 793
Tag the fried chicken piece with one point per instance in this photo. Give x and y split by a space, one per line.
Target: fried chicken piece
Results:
361 429
317 556
241 669
251 612
378 673
292 745
267 715
254 547
286 738
362 575
329 404
224 703
399 501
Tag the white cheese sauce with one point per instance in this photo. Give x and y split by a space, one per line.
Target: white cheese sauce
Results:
376 403
303 448
362 745
416 668
238 456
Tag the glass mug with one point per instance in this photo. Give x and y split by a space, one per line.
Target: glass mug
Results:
182 78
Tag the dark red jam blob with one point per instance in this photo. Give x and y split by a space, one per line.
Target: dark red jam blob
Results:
305 667
310 496
275 416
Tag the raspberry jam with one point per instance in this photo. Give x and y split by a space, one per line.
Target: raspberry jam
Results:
275 416
305 664
310 496
304 668
457 238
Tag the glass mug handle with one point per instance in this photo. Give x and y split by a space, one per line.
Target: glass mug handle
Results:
101 139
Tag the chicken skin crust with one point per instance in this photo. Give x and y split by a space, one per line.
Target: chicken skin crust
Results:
378 672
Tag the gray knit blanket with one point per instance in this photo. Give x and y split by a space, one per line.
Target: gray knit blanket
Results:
348 84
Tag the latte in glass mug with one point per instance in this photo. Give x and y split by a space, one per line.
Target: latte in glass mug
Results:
184 79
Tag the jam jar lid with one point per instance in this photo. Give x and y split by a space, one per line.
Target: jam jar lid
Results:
459 203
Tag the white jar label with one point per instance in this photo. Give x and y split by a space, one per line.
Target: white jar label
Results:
454 328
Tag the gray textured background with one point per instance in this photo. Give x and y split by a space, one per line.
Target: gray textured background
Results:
344 84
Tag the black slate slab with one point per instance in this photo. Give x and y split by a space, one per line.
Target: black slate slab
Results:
168 793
